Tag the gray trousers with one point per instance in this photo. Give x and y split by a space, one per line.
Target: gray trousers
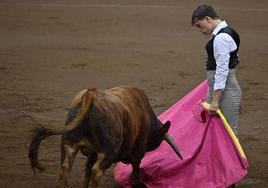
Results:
230 99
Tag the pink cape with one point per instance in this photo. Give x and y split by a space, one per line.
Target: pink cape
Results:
212 154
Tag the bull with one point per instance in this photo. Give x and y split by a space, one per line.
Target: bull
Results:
107 126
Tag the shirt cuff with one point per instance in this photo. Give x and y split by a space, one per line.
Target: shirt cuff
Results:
219 86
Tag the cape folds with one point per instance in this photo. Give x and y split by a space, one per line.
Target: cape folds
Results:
213 156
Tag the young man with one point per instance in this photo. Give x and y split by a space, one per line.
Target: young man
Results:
222 51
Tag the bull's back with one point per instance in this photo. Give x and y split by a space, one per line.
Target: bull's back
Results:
124 115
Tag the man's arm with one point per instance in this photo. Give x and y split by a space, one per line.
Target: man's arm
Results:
223 46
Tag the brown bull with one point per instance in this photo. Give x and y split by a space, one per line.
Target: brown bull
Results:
108 126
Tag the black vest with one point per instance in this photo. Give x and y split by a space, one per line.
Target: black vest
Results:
233 61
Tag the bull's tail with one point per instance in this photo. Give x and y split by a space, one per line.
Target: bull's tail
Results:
41 133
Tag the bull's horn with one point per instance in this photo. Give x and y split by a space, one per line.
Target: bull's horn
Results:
172 143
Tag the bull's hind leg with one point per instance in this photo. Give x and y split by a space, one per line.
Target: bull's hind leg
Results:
105 158
92 158
103 162
68 154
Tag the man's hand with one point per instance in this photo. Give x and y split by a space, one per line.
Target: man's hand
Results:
215 102
213 108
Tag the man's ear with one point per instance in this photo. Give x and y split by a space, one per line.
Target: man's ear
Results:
209 19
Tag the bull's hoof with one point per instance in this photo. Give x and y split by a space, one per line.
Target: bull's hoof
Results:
139 185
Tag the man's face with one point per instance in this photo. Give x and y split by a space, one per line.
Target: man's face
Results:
204 25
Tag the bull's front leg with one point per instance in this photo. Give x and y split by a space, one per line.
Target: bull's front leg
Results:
68 154
136 176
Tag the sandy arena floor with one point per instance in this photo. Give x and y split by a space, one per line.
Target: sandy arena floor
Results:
49 50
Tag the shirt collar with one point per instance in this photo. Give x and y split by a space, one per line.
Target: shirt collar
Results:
223 24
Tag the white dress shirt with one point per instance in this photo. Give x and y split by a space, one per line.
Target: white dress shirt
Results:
223 45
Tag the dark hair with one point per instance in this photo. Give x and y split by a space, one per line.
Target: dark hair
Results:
202 11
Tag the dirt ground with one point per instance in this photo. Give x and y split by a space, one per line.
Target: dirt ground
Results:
51 49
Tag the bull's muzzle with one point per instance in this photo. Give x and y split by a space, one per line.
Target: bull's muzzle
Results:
172 143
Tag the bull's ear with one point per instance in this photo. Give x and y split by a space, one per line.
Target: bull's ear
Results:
167 124
164 128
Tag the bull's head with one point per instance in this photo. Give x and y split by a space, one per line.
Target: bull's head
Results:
165 136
